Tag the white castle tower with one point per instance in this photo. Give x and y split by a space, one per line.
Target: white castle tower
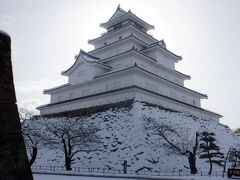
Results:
127 63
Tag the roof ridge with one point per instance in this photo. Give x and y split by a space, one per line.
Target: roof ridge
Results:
118 9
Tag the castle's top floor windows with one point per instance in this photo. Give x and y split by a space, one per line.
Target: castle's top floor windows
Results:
126 23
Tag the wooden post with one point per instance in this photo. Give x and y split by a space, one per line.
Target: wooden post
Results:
125 167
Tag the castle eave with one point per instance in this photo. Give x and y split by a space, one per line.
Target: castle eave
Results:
134 87
48 91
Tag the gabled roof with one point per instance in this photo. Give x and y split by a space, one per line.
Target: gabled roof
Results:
120 15
162 45
119 12
86 58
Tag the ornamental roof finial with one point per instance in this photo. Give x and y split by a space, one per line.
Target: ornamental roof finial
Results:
119 7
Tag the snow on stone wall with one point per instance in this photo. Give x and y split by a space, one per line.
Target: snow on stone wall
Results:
125 138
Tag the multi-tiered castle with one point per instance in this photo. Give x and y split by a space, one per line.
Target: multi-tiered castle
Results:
127 63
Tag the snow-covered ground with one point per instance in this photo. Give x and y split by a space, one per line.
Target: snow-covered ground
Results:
125 138
61 177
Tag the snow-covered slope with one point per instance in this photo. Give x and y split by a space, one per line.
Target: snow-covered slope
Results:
125 138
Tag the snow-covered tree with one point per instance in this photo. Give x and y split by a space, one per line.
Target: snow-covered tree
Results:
71 136
174 141
25 114
210 150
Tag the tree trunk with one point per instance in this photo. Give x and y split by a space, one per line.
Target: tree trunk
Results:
68 159
34 155
68 163
192 163
210 163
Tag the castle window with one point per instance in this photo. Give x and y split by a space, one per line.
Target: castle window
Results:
117 26
194 103
138 26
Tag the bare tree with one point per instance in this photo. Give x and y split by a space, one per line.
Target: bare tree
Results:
25 114
175 141
31 132
71 136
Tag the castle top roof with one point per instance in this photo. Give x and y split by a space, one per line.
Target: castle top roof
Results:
119 12
120 15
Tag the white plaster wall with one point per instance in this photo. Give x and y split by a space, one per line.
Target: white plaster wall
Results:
121 63
129 60
162 57
165 59
125 95
117 48
160 86
81 73
90 102
85 72
92 87
121 80
151 66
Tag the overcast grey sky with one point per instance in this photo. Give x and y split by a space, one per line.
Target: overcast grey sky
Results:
46 34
